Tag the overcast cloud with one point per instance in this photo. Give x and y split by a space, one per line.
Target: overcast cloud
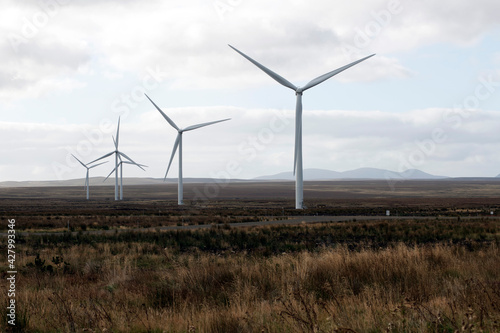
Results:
432 90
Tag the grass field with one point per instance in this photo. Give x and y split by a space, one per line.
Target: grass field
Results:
434 274
54 208
415 276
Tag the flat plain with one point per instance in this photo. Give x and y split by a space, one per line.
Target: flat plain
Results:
50 208
101 265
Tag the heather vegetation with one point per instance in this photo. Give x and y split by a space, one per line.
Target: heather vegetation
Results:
58 214
430 275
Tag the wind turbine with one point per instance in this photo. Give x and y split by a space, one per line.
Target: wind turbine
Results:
178 144
87 184
118 155
297 166
121 173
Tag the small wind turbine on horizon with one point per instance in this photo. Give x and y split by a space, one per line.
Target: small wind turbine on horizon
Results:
178 144
121 173
297 166
118 156
87 184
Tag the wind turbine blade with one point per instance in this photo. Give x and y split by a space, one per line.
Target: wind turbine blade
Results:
93 166
281 80
100 158
128 158
170 121
176 144
326 76
79 160
192 127
138 164
117 134
114 169
114 141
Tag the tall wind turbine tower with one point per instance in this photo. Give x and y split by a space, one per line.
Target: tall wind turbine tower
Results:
297 166
178 144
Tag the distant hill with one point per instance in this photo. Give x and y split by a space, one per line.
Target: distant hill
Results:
94 181
362 173
98 181
309 174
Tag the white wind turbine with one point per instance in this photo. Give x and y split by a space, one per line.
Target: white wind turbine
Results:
178 144
118 155
87 184
121 173
297 166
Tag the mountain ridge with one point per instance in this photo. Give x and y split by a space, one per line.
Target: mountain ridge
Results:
360 173
309 175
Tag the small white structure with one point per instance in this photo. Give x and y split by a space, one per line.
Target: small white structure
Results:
387 213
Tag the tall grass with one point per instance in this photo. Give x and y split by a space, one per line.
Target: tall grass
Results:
152 285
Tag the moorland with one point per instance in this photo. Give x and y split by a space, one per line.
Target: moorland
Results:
432 266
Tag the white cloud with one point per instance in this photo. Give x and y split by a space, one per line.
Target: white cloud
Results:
189 39
74 45
261 142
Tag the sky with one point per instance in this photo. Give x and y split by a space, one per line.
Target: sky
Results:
69 69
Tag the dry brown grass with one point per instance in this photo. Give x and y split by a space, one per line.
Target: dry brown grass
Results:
141 287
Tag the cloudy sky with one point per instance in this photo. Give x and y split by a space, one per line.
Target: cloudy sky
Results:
429 99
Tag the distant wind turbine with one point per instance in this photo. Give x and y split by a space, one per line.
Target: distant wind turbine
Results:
87 184
297 166
121 173
118 156
178 144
